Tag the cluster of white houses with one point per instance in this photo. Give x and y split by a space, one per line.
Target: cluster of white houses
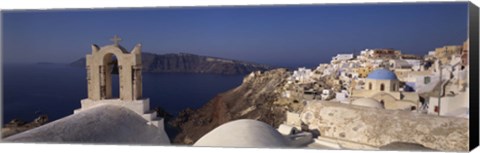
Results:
436 83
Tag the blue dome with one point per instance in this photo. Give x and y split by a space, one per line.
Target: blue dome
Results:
382 74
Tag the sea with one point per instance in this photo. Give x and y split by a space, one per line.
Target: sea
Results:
30 90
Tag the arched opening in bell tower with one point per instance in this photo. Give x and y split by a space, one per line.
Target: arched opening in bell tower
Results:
111 86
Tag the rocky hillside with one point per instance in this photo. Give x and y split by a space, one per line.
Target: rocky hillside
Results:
254 99
191 63
16 126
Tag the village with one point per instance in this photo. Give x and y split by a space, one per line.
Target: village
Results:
388 79
383 82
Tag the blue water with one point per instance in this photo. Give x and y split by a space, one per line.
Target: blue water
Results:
56 90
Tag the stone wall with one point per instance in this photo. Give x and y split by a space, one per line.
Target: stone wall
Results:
379 127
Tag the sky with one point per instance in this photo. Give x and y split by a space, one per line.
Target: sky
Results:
288 36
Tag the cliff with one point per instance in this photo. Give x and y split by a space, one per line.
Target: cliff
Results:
253 99
191 63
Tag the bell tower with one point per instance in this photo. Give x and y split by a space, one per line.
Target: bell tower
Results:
100 65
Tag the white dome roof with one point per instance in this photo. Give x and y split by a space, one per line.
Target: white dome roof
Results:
243 133
100 124
368 102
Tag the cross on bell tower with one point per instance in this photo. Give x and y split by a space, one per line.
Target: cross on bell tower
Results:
116 40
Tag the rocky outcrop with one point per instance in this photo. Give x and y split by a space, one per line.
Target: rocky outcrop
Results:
379 127
191 63
254 99
17 126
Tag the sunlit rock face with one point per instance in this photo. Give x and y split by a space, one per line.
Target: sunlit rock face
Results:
243 133
107 124
379 127
254 99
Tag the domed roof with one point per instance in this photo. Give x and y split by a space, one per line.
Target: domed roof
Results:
382 74
243 133
368 102
94 125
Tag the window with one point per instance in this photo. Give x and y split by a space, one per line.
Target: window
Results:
436 109
426 80
370 86
382 87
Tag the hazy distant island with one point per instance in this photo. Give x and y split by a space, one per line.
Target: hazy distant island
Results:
191 63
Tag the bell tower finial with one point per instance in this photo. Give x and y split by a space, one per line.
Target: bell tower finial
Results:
116 40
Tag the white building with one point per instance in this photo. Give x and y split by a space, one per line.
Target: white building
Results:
376 63
426 83
416 64
325 69
328 71
342 57
303 75
399 64
450 105
365 54
342 96
327 94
